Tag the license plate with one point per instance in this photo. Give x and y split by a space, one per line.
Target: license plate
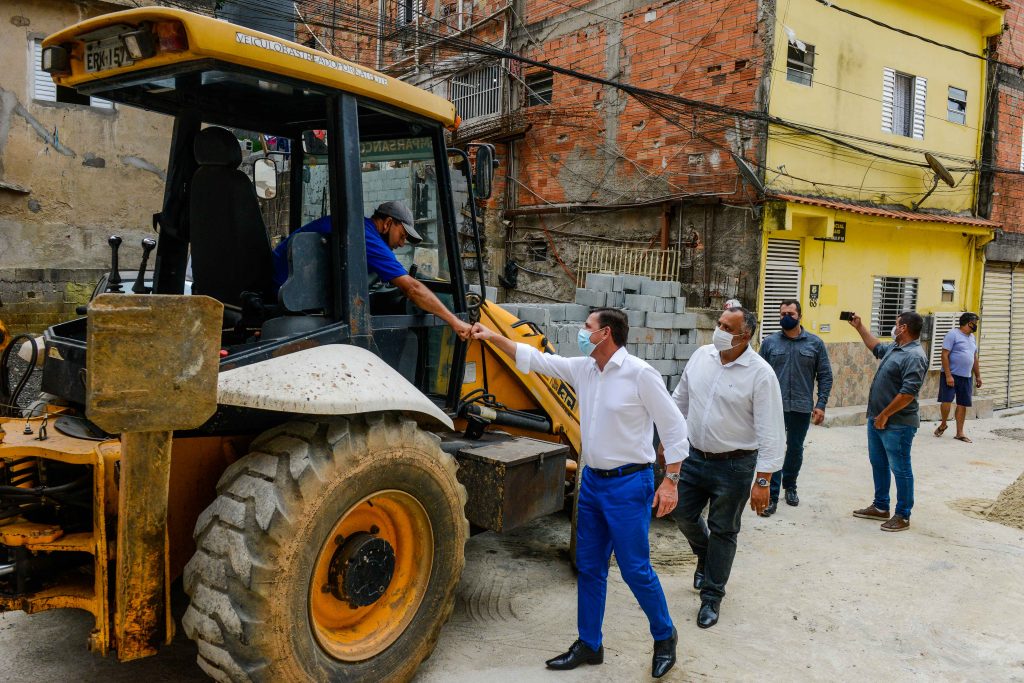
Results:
106 54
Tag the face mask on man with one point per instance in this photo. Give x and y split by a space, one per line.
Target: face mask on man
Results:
583 341
894 332
722 339
973 327
788 322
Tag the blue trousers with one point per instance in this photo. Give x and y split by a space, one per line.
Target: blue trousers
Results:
797 425
889 452
614 514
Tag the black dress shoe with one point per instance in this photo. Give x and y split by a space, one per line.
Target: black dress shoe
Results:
708 614
771 509
664 655
698 576
792 498
579 653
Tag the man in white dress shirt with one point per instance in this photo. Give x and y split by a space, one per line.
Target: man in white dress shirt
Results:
733 407
620 398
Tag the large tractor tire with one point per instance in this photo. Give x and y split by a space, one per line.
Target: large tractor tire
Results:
331 553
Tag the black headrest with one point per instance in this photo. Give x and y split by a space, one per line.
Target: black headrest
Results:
217 147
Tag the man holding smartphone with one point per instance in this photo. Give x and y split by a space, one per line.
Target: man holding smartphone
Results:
893 416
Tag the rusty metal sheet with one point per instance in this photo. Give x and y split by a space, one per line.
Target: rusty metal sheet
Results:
152 361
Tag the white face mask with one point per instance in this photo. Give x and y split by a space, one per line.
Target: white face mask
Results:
892 332
722 339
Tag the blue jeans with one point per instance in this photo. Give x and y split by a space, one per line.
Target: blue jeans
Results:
889 453
725 484
614 514
797 425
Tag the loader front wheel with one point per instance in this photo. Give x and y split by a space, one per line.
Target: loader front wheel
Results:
331 554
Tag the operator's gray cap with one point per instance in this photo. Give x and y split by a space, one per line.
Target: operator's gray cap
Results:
402 214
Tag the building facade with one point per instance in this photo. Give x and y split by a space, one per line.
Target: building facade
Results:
73 171
857 218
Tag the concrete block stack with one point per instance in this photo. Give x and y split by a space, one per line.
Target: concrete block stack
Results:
661 332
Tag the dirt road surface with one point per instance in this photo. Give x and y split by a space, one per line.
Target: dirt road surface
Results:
815 594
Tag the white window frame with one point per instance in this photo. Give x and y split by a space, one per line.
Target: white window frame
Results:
801 71
891 295
477 93
918 96
43 87
955 114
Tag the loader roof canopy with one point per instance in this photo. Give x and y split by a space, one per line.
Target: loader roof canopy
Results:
168 60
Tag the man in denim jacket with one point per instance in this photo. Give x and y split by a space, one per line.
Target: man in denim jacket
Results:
798 358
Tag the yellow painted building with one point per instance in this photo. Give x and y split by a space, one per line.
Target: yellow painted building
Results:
848 224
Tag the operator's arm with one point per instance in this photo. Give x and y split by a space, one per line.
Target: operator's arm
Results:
869 339
529 359
419 294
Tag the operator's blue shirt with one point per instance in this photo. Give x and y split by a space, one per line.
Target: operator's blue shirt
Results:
379 257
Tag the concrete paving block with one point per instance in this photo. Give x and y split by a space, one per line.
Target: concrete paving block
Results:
680 304
663 336
537 315
616 299
617 283
512 308
670 304
556 312
636 318
661 288
639 302
685 321
659 304
668 351
642 335
685 351
576 312
665 367
490 293
589 297
633 349
661 321
657 351
631 284
600 281
673 382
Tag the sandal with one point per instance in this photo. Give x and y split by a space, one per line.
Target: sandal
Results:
941 429
963 438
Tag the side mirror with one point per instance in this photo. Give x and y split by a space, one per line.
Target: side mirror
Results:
264 177
483 172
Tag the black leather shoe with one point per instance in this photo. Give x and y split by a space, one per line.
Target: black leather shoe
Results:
578 654
708 614
698 576
792 498
771 509
664 655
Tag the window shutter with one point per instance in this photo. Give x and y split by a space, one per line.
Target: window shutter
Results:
920 95
888 96
942 323
781 281
43 87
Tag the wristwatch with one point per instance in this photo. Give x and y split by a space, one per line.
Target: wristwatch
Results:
761 481
672 477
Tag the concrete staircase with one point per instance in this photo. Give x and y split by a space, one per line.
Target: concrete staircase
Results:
852 416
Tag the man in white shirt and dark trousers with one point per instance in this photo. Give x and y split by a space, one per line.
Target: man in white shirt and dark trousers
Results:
621 398
733 407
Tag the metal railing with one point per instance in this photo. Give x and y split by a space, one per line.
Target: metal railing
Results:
657 264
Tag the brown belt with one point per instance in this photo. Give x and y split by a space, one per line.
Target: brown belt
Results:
728 455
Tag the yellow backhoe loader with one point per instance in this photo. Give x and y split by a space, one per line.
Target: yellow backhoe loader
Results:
308 453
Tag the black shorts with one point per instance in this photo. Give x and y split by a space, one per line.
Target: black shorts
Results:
962 390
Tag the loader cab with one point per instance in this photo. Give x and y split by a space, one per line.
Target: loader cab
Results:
323 156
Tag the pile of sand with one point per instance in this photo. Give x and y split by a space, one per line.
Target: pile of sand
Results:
1009 506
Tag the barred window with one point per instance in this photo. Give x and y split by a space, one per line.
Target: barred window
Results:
477 93
890 297
538 88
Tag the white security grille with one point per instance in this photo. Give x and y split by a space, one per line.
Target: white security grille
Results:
890 297
657 264
942 323
781 281
477 93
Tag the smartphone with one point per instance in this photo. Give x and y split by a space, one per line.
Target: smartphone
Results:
846 315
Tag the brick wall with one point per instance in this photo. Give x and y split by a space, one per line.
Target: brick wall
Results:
1007 128
32 299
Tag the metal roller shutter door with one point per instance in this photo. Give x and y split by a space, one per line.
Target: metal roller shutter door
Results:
994 344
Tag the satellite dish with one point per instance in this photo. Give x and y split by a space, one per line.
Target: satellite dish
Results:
748 173
940 170
940 174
